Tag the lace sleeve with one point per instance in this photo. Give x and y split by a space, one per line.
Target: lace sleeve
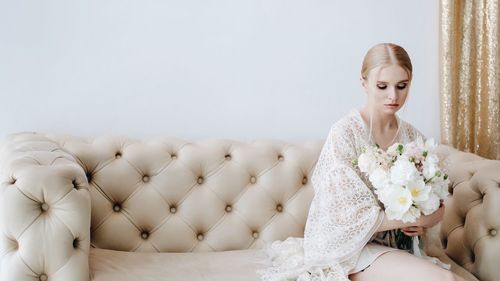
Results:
344 213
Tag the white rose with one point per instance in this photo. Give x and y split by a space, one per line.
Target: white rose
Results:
430 166
379 178
430 145
403 171
430 205
367 162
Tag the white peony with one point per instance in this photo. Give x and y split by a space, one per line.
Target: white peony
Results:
403 172
419 191
430 205
397 201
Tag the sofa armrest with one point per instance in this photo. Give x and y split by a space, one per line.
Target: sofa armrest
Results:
44 211
470 231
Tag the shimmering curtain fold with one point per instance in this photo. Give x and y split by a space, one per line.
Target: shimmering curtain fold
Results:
470 75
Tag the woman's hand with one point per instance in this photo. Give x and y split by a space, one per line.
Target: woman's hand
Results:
413 230
432 219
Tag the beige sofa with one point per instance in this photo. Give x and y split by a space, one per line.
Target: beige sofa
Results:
115 208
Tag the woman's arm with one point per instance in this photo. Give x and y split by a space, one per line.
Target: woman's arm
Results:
423 221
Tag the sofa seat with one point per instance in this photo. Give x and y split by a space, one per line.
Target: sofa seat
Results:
110 265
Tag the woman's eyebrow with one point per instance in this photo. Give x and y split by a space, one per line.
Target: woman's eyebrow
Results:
402 81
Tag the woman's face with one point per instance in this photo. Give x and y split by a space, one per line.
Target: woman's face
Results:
387 88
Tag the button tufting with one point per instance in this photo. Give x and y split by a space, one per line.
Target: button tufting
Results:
75 243
173 210
493 232
118 155
304 180
13 181
227 156
75 185
117 207
200 180
255 234
229 208
44 207
199 237
280 157
42 277
173 156
145 178
144 235
89 176
253 179
279 208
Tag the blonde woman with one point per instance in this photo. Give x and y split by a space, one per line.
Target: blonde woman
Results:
347 235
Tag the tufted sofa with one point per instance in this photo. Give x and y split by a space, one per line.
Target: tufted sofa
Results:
115 208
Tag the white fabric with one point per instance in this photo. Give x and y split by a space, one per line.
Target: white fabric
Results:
344 213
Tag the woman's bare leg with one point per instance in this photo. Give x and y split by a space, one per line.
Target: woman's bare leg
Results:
400 265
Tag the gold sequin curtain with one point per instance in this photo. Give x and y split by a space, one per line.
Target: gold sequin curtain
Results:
470 75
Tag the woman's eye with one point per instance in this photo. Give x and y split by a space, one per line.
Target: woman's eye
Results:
382 87
402 86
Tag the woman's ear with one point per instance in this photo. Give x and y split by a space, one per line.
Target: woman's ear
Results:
364 84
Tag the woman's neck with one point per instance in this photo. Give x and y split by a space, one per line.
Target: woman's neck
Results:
380 122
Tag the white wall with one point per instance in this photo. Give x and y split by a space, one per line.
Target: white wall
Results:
243 69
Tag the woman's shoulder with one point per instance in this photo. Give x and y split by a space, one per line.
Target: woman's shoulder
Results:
347 122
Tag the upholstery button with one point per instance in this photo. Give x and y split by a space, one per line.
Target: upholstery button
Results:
173 156
279 208
144 235
229 208
304 180
173 210
89 176
255 234
118 155
117 207
253 179
493 232
13 181
228 156
42 277
75 185
280 157
145 178
200 180
199 237
44 207
75 243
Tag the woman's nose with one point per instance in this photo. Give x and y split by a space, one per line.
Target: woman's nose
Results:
392 94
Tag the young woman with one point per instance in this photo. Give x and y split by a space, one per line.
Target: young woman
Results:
347 235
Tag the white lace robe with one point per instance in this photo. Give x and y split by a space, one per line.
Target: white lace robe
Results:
344 213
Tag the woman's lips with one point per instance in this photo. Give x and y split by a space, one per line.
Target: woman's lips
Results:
392 105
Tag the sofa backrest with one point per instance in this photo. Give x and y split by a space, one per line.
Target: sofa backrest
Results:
171 195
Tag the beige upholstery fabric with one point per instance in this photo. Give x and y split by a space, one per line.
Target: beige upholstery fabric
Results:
237 265
61 195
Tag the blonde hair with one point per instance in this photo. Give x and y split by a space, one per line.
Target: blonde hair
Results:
385 54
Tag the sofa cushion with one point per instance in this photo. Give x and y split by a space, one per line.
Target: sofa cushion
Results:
110 265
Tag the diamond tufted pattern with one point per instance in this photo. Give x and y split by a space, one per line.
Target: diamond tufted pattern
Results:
214 195
61 195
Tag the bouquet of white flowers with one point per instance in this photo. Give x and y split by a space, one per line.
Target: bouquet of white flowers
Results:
407 180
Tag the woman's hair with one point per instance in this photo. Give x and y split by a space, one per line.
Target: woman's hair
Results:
385 54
